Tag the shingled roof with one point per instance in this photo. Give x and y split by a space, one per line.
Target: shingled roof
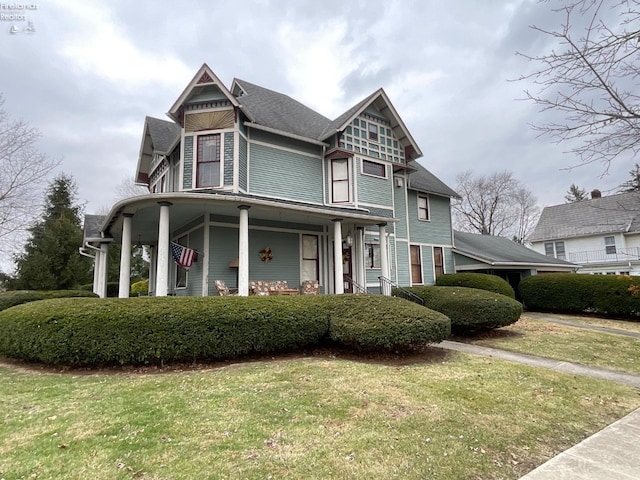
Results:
423 180
501 251
164 134
280 112
613 214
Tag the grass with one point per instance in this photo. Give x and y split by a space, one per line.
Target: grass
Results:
328 415
628 325
571 344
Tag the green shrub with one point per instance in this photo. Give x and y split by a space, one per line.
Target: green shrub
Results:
17 297
93 332
482 281
470 309
579 293
158 329
379 322
140 288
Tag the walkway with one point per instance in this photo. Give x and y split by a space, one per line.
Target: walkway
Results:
611 454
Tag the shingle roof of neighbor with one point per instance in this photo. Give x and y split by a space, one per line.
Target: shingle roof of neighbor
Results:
613 214
501 250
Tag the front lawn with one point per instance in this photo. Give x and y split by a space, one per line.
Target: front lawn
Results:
326 415
571 344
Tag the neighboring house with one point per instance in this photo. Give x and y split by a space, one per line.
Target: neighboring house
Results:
265 188
601 234
502 257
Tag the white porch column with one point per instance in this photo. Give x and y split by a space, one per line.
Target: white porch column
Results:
125 257
102 281
204 258
243 252
337 256
162 269
96 273
384 258
361 276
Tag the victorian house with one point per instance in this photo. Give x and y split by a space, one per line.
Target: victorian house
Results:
263 187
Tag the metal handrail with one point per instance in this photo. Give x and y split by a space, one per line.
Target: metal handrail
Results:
356 286
386 285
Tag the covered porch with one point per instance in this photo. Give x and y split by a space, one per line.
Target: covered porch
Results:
238 239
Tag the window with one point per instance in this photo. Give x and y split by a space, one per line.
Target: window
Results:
548 249
208 168
556 250
340 180
373 255
373 132
374 168
438 261
416 265
181 273
423 208
610 245
310 258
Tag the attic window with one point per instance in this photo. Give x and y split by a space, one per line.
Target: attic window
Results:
373 132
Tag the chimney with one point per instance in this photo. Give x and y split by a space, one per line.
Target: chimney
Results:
595 193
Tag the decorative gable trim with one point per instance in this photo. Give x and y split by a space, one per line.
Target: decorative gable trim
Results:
204 76
338 153
380 101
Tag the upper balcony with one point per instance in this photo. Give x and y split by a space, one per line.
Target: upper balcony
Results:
601 256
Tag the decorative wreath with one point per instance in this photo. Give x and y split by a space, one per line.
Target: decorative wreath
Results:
266 255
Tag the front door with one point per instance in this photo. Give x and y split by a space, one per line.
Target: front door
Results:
347 267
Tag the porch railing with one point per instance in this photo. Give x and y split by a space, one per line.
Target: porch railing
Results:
386 285
601 256
355 286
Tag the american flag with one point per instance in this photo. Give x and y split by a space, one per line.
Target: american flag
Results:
182 255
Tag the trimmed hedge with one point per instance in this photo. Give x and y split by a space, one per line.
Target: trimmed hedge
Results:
470 309
581 293
18 297
376 321
482 281
93 332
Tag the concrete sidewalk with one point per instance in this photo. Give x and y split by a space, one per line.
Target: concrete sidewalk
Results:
611 454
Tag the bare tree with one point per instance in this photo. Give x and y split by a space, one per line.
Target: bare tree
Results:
129 188
23 172
497 204
575 194
592 79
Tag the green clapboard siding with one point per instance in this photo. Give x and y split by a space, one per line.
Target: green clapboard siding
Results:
243 163
187 165
400 211
427 265
402 252
373 189
286 257
285 174
223 248
436 231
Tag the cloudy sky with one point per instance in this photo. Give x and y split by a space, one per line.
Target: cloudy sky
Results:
91 71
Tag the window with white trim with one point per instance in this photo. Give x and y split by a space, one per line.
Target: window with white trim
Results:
181 273
340 180
310 258
208 161
555 249
374 168
423 208
372 251
416 264
610 245
438 261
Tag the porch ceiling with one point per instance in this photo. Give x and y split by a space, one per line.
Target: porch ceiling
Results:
188 207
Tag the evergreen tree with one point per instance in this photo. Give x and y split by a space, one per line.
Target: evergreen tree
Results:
575 194
633 184
50 260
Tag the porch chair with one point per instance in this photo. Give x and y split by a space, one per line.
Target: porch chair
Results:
310 287
223 290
